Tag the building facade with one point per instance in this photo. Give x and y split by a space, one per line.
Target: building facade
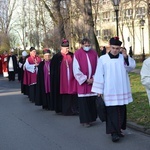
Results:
133 34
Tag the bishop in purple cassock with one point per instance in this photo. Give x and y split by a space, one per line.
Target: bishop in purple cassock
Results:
43 83
30 73
63 83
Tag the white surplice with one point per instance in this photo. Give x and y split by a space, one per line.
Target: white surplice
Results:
111 79
145 76
30 67
10 65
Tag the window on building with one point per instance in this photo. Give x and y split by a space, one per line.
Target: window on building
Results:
106 16
97 17
106 34
126 0
128 13
97 20
98 33
140 12
114 16
105 1
149 8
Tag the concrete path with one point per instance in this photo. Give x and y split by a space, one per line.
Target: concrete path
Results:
24 126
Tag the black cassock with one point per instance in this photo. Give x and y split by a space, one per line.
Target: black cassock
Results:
42 98
55 82
116 115
63 103
20 70
11 74
116 119
21 74
24 88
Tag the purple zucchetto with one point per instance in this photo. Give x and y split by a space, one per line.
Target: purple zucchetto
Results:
46 50
65 43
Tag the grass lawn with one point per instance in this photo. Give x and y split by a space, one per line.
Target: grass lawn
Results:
139 109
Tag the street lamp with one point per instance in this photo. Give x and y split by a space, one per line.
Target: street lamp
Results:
116 7
142 22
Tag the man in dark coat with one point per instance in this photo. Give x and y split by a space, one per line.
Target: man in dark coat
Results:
12 65
63 85
104 51
43 83
21 70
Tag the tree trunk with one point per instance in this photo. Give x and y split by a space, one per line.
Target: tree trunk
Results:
86 23
56 16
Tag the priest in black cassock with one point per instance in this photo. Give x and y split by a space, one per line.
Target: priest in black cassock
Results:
12 65
21 70
63 84
43 83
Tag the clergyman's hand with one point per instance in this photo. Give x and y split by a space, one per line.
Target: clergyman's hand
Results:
89 81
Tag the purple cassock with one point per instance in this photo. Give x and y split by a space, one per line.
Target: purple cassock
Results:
29 77
47 76
67 80
81 57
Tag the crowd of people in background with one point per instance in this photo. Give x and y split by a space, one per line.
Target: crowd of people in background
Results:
69 83
3 64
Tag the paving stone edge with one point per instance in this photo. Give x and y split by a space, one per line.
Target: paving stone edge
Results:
137 127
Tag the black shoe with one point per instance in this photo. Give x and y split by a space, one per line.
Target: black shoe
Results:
115 137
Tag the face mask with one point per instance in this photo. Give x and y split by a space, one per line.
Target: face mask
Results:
86 48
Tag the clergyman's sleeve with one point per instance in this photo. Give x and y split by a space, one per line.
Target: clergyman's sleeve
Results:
132 64
145 74
98 83
79 76
29 67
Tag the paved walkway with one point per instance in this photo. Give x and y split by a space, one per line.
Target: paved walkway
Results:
16 86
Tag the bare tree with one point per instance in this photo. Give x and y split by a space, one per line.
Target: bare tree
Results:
84 24
58 20
129 19
7 9
148 14
75 22
4 42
